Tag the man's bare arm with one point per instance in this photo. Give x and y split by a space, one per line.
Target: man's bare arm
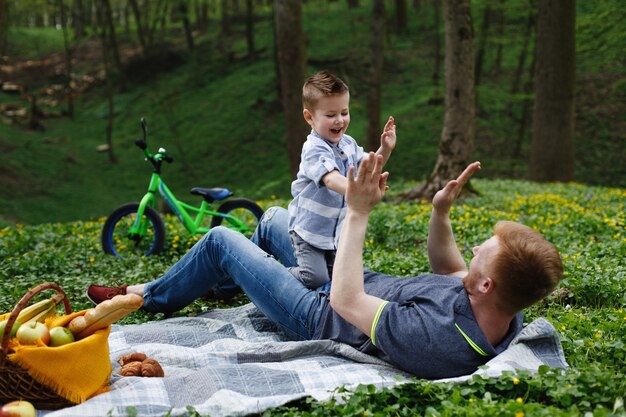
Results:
443 253
347 294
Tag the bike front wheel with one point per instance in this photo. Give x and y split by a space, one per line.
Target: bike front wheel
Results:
240 214
119 241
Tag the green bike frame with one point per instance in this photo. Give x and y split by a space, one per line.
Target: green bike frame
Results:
181 209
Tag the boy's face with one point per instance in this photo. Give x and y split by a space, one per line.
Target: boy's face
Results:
331 116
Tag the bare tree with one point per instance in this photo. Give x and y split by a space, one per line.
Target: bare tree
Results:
401 15
552 149
182 12
250 31
291 57
457 136
202 15
375 76
482 43
105 40
141 30
4 20
78 19
107 16
437 42
225 23
499 20
69 52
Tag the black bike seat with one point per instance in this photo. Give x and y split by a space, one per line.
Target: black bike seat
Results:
212 194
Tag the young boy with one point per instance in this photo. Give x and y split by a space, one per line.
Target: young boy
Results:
318 206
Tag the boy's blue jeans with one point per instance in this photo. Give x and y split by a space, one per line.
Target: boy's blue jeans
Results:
222 254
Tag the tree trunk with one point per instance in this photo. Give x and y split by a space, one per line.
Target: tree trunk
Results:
353 4
250 31
482 44
4 20
521 60
457 136
401 15
184 16
291 51
112 43
437 42
78 19
524 116
106 60
69 51
225 19
499 20
141 31
202 16
552 151
375 76
160 11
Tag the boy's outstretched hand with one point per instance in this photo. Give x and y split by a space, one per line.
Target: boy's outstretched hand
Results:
388 137
369 186
442 201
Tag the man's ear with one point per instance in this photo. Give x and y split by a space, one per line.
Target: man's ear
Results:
307 116
486 286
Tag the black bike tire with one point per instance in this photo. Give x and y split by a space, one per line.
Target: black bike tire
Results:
237 203
125 210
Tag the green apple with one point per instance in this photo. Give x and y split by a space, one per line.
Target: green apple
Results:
60 336
31 332
16 325
18 409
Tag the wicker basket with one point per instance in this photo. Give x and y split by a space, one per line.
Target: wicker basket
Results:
16 383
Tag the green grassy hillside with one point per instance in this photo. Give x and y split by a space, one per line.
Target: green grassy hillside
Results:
219 115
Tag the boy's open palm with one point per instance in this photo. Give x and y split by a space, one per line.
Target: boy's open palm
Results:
369 186
388 137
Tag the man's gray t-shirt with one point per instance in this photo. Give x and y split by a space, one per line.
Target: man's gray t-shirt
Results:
427 328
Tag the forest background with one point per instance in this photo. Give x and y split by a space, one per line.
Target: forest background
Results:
78 75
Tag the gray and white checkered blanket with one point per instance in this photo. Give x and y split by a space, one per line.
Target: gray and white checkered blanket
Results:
235 362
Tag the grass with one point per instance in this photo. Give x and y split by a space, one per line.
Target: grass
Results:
586 223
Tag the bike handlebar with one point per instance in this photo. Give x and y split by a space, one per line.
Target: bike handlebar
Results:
157 159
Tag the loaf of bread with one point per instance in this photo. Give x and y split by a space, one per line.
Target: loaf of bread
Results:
104 314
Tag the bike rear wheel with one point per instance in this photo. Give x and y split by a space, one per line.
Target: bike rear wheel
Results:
243 215
117 239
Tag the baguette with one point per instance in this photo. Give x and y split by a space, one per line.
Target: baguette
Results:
104 314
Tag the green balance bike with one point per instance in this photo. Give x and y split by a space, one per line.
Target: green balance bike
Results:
137 229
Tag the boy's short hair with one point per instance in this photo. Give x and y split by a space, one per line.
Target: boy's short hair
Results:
526 268
321 84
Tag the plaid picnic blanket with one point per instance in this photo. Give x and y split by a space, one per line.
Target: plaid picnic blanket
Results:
235 362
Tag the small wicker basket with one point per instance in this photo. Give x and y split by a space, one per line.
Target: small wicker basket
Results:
15 382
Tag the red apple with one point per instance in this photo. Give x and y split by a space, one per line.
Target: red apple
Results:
60 336
16 325
30 333
18 409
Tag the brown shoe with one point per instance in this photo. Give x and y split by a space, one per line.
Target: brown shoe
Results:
99 293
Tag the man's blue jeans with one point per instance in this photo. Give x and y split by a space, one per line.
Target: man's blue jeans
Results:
254 266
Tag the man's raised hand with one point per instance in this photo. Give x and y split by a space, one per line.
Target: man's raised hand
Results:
442 201
369 186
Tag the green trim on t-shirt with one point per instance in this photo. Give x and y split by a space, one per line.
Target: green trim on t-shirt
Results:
471 342
375 322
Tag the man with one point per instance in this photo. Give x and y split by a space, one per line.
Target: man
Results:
434 326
